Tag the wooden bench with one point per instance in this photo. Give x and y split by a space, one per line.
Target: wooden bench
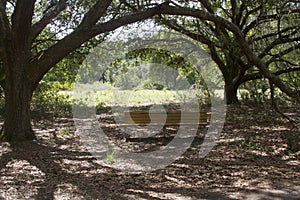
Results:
170 118
164 119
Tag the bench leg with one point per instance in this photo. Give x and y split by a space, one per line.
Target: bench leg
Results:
165 131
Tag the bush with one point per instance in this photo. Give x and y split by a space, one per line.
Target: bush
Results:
155 86
256 91
49 102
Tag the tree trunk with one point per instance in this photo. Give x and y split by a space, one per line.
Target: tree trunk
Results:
18 93
231 93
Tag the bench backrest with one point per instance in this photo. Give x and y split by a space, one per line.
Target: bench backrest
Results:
171 117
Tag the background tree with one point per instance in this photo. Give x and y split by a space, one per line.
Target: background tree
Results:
270 27
164 58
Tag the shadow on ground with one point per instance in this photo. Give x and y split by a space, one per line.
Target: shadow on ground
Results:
251 161
41 172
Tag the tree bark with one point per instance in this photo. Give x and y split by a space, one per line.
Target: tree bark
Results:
231 94
18 81
18 93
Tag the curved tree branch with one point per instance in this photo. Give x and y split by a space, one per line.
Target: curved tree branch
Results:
263 18
78 37
197 37
281 54
276 42
256 76
87 31
262 37
47 18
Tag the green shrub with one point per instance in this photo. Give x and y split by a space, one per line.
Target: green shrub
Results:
47 101
156 86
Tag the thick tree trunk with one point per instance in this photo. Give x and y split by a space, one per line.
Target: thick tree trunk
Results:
231 94
18 93
231 78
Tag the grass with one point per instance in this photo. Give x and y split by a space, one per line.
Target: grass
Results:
110 157
135 98
65 131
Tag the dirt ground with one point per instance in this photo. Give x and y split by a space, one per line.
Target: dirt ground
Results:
256 157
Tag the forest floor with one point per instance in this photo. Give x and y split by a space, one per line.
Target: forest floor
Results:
256 157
